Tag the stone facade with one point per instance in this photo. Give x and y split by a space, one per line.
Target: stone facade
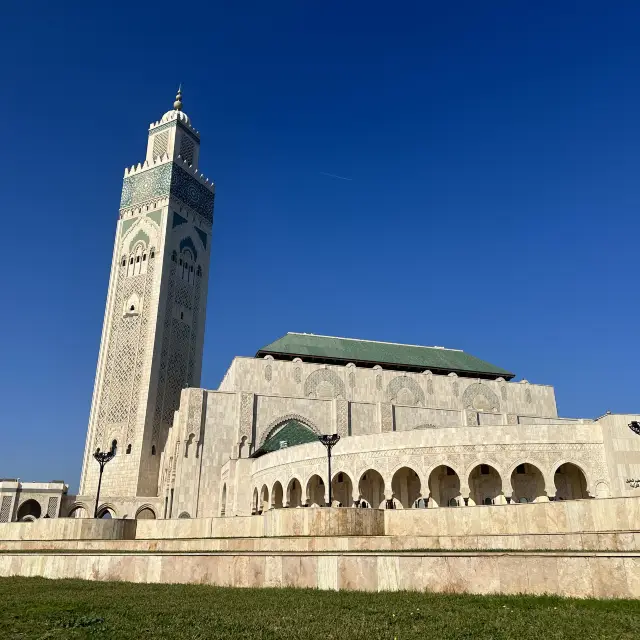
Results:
410 440
29 501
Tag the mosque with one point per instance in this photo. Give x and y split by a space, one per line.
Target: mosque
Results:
420 427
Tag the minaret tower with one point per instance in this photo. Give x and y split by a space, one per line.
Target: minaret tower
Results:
153 331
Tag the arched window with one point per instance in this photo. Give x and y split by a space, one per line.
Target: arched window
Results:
199 271
29 510
153 449
187 444
128 448
174 256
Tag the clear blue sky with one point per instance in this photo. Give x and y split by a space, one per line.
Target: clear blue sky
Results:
493 151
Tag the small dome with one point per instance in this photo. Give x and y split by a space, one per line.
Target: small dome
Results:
174 114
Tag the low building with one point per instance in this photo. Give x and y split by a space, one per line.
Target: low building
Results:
28 501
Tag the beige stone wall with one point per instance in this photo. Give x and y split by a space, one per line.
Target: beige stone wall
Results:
268 377
605 575
622 451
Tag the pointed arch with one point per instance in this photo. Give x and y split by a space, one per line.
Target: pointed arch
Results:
274 425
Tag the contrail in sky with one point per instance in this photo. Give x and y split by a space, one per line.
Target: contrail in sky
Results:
333 175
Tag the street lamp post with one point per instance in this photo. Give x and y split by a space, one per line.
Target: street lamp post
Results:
102 457
329 441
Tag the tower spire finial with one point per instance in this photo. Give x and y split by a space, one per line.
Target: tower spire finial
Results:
177 105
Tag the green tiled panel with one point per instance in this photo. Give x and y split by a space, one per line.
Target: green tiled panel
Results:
293 432
301 344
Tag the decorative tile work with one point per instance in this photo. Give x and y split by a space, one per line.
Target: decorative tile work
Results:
400 383
5 509
164 127
480 397
156 216
177 220
192 193
141 236
147 185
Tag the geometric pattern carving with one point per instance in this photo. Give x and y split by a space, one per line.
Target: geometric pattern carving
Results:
527 396
472 418
5 509
379 382
162 181
503 391
512 419
192 193
342 417
160 143
268 373
187 147
246 416
148 185
164 353
52 507
386 417
194 415
402 383
324 376
297 374
480 397
123 369
193 377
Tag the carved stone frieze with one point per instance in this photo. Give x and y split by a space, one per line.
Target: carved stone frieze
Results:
408 390
386 417
480 397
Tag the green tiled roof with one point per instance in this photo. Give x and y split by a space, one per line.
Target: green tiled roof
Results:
292 432
326 348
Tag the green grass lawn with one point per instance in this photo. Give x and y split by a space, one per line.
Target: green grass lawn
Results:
39 608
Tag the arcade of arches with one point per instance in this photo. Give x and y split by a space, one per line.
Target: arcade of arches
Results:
445 487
